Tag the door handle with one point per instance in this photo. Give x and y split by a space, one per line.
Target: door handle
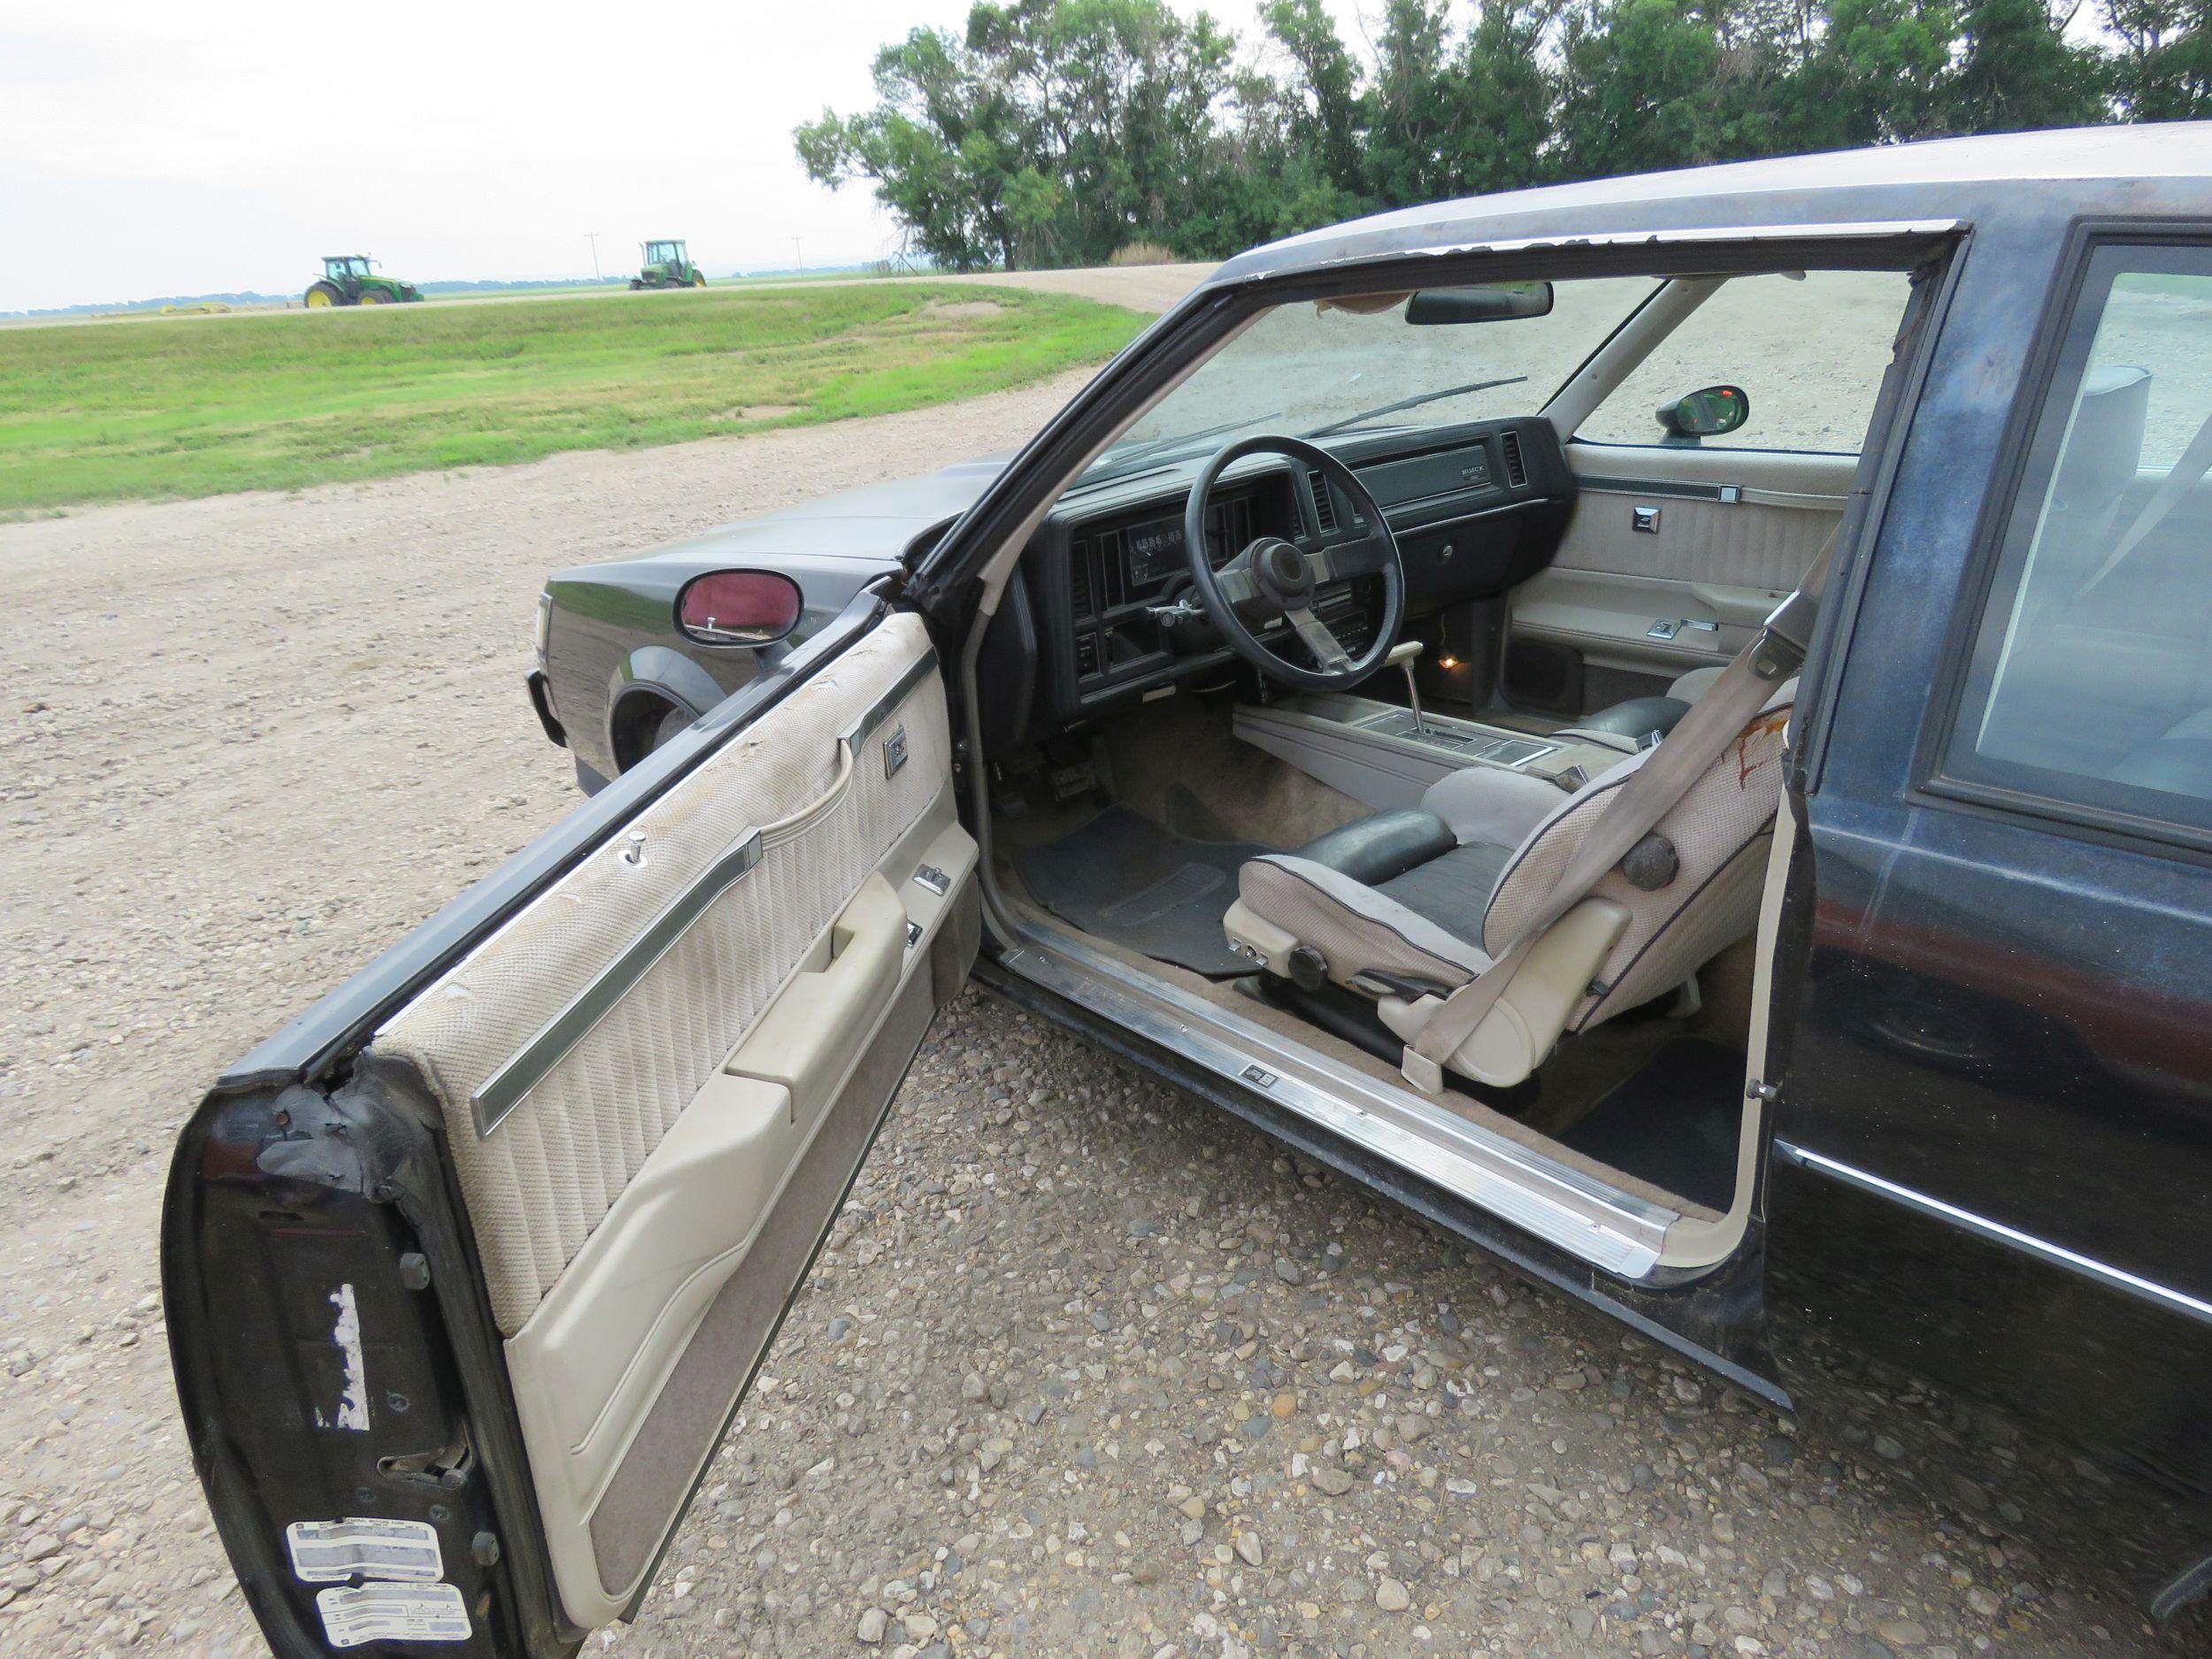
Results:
813 1031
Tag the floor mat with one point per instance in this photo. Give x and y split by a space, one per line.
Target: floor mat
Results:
1674 1123
1124 878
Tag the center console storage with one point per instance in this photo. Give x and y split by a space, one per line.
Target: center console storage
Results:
1378 754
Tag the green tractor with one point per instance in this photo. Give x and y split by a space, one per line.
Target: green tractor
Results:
348 280
668 265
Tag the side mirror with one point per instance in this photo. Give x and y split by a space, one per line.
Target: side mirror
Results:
1491 302
1710 413
749 608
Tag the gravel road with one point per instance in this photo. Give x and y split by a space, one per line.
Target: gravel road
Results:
1168 1392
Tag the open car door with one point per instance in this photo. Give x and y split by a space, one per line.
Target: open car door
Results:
468 1271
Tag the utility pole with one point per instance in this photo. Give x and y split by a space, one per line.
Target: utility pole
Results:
799 253
592 236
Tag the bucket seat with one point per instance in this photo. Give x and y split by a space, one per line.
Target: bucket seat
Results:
1406 906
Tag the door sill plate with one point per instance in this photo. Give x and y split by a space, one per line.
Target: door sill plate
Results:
1613 1230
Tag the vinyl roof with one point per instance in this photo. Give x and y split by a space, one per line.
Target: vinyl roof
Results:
1951 177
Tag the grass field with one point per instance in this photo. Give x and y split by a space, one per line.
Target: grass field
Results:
197 407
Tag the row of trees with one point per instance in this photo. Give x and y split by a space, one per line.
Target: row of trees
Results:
1057 132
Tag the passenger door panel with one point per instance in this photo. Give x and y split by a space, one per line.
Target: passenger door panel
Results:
688 1010
1726 533
649 1090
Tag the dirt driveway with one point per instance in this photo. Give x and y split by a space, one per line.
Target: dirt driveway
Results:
247 741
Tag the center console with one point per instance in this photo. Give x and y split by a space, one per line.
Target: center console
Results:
1378 753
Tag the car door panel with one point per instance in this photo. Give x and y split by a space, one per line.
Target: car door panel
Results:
607 1134
1731 532
628 1082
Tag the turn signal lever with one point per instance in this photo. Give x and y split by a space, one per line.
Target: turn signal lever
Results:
1402 655
1183 629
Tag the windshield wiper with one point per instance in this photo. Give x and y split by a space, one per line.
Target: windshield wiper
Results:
1147 451
1415 402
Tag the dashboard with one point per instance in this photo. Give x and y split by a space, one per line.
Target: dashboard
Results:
1095 624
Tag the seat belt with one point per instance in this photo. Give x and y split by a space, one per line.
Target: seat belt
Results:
1700 738
2188 473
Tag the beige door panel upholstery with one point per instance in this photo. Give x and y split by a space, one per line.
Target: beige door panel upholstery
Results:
1607 620
1726 562
1786 506
658 1079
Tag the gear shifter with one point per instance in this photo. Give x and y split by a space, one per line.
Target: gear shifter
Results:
1404 654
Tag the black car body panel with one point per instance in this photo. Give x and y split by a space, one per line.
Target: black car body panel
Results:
1996 1140
616 664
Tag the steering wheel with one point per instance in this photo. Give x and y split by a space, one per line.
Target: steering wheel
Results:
1273 577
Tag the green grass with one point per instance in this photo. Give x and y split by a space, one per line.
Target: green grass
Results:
198 407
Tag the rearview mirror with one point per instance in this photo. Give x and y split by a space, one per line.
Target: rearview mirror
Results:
1710 413
1491 302
749 608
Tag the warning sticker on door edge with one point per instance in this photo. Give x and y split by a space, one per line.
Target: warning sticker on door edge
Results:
393 1612
364 1547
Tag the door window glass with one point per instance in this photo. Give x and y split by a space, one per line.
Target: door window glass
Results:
2091 680
1809 351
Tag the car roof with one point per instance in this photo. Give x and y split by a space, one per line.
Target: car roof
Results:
2080 170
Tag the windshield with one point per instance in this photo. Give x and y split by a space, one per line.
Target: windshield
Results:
1310 370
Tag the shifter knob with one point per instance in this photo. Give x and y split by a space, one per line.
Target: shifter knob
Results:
1402 655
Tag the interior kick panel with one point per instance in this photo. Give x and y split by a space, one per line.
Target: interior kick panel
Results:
1475 509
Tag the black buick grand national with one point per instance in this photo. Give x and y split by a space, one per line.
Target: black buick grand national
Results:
1665 723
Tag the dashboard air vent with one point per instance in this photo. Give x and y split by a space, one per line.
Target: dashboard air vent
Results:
1516 469
1323 503
1112 566
1080 602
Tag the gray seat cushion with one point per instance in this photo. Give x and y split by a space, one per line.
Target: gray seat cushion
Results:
1452 889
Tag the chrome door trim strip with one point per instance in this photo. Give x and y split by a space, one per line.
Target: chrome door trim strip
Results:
880 710
2058 1255
499 1093
1613 1230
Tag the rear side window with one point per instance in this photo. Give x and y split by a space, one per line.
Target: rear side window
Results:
2091 677
1809 351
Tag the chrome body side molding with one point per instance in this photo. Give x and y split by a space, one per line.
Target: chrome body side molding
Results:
2027 1243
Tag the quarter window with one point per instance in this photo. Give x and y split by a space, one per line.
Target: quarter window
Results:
1808 349
2091 677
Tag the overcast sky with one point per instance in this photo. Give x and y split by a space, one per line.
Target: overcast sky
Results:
148 147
